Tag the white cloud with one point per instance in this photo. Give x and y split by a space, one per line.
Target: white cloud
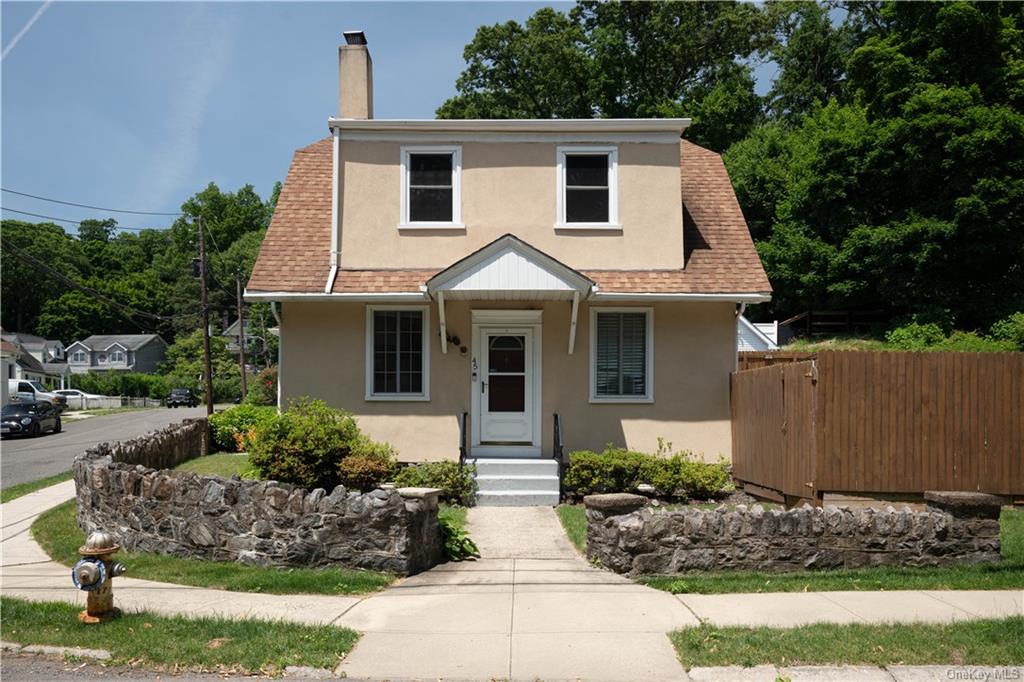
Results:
202 53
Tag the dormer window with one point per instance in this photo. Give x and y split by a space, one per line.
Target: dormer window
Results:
431 191
78 356
588 195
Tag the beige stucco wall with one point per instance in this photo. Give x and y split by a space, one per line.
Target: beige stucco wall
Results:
511 187
323 356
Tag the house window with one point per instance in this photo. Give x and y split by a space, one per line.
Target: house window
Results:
116 356
102 357
78 356
588 187
431 191
622 355
397 361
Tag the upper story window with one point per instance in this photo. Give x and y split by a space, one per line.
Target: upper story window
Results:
397 363
431 187
116 356
621 355
588 192
102 357
78 356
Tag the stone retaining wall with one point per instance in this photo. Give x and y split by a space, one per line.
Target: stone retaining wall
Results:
124 489
626 537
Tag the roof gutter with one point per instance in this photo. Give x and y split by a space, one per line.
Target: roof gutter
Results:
762 297
335 221
355 297
543 125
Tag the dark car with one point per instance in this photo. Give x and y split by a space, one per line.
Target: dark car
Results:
182 397
29 419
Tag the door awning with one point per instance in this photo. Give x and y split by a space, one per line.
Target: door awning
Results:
509 269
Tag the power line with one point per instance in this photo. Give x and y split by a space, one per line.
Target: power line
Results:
78 222
124 308
97 208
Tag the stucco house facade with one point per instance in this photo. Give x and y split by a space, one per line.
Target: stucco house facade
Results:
459 283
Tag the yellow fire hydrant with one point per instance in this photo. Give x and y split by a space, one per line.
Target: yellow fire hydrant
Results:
94 573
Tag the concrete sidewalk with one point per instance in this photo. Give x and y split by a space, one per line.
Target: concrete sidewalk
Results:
508 615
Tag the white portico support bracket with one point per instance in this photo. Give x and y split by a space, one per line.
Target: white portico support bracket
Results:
444 323
572 321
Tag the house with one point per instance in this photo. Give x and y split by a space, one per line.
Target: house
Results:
756 336
504 288
117 353
9 353
39 359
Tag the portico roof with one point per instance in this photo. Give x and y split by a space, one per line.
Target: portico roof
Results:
509 269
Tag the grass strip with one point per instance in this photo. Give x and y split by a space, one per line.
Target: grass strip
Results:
574 521
16 491
207 643
1009 574
980 642
223 464
58 534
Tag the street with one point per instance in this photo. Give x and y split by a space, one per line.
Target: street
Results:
27 459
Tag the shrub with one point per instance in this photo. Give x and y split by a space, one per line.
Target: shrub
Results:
263 389
970 342
619 470
368 465
915 336
231 428
304 444
1010 329
457 544
457 482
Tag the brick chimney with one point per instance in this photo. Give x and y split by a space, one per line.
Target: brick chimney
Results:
355 77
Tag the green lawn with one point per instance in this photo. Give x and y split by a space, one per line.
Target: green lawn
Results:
210 643
574 521
981 642
58 534
223 464
16 491
1009 574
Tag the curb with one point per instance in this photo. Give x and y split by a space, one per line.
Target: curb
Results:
76 652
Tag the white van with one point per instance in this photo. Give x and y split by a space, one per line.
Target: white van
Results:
24 391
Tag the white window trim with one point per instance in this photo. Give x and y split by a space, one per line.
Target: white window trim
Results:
76 359
456 221
398 397
649 396
613 188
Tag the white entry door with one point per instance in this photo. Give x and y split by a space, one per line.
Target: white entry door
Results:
506 387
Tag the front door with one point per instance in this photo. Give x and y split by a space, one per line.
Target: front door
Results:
506 410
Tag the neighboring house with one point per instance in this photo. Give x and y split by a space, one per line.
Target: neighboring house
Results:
759 336
9 353
231 334
40 359
117 353
511 270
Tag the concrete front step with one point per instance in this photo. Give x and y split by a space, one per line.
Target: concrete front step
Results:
516 498
544 484
500 466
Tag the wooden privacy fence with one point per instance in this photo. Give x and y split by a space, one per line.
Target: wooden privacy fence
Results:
881 422
752 359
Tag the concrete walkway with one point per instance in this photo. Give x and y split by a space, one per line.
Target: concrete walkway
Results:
531 608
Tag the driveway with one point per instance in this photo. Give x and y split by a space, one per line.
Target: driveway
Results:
28 459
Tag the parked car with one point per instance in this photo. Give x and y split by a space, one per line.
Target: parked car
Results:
29 419
22 391
75 393
179 397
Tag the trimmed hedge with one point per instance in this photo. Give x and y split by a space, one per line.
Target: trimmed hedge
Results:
232 428
457 482
619 470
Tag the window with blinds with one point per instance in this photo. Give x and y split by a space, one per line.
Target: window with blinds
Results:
398 352
621 355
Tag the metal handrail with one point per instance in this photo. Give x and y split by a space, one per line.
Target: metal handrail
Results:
463 438
558 451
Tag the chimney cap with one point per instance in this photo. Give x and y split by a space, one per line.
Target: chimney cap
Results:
355 37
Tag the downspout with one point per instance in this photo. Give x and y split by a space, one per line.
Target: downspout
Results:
736 342
280 348
335 222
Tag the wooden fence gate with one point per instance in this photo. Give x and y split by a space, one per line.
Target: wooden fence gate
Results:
881 423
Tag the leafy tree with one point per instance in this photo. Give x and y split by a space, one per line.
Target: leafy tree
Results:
619 60
96 230
184 366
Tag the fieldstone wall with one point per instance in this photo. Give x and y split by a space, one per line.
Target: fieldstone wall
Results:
120 489
626 537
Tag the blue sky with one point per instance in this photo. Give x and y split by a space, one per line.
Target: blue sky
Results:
139 105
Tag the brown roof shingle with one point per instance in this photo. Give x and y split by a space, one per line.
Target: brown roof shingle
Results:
720 256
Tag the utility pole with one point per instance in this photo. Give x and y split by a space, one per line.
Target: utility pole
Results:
207 371
241 332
